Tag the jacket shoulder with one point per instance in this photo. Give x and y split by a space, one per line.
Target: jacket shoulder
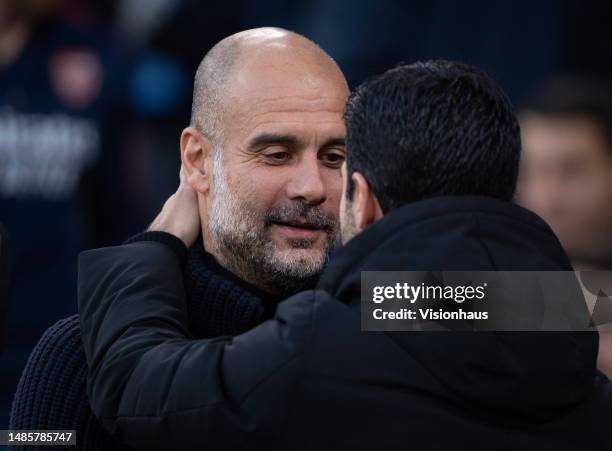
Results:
133 267
138 255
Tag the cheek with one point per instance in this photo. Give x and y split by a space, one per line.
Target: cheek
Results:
597 197
333 182
594 189
343 211
258 188
587 205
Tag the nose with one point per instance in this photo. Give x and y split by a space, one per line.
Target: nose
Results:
306 182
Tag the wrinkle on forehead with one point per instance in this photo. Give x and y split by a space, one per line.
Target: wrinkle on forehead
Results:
293 104
287 111
255 111
284 80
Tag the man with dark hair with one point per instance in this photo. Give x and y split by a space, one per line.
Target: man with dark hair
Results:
440 132
310 378
566 171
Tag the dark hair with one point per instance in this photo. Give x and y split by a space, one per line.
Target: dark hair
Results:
435 128
574 95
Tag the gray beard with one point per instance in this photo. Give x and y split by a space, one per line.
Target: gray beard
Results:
244 246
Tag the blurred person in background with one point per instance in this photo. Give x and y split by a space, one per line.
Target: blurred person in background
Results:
62 117
566 171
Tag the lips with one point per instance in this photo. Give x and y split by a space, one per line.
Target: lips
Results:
300 225
298 230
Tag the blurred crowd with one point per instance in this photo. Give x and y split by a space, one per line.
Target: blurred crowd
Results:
94 94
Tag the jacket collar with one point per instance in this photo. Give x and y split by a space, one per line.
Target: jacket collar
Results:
415 235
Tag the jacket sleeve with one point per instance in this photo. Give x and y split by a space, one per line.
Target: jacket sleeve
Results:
153 386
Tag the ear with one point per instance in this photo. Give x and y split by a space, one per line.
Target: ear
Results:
366 208
196 158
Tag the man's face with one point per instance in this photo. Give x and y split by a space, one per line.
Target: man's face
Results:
566 178
276 180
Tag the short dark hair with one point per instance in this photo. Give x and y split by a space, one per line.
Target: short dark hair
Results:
428 129
574 95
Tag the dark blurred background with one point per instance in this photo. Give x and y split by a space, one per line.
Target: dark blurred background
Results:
94 95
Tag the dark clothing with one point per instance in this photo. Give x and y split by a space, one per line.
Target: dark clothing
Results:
52 390
52 395
310 379
206 279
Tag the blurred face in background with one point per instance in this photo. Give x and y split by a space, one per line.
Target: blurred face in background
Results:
566 178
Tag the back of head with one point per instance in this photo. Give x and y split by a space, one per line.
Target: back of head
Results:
428 129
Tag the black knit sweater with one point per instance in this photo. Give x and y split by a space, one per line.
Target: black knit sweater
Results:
52 391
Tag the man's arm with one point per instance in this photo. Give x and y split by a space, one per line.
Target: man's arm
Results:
154 387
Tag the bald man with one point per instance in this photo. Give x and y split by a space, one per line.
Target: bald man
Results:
263 154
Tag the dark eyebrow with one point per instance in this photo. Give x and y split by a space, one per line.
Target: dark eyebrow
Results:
333 142
266 139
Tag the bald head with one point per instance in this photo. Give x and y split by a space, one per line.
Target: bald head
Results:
228 66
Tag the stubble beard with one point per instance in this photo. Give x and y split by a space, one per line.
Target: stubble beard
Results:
245 247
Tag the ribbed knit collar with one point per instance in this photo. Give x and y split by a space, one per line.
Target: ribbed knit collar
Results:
219 302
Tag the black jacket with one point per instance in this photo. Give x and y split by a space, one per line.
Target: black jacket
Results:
310 379
52 391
